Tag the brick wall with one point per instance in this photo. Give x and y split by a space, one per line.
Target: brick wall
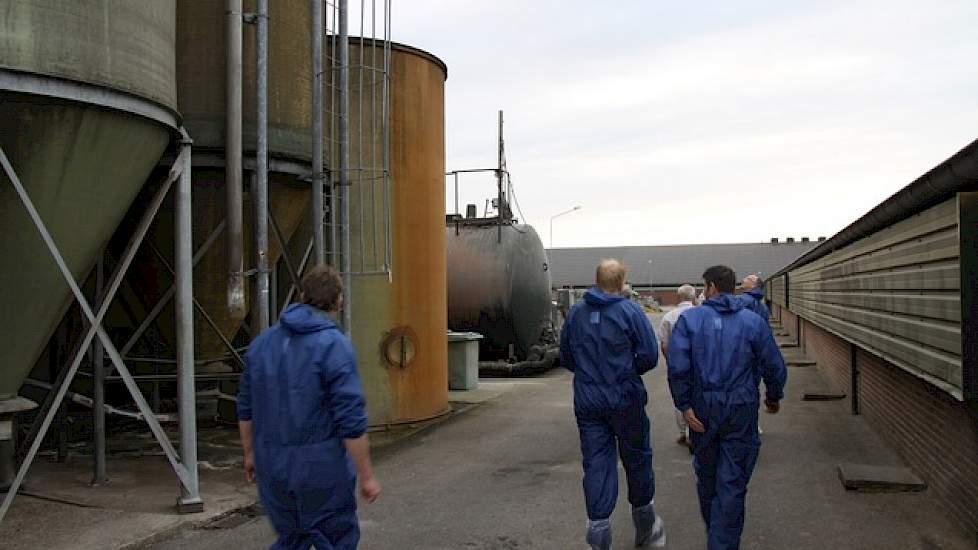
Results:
935 434
832 354
932 431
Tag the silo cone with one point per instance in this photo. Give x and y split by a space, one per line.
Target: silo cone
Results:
201 61
68 124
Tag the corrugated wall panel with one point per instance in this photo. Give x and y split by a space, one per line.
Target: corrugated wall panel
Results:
895 293
944 306
776 290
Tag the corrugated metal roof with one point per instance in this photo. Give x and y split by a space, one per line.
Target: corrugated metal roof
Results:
673 264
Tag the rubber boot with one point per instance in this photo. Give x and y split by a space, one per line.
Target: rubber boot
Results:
599 534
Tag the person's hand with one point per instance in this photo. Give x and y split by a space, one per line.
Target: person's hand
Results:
772 406
249 467
693 422
369 489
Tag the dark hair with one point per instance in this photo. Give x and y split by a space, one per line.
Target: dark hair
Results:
721 277
321 288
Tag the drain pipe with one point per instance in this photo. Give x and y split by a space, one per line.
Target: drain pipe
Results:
232 164
317 134
344 138
260 191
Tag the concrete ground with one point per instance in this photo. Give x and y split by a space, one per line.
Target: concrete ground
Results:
507 475
59 508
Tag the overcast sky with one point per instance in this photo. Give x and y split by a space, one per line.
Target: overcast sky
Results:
700 122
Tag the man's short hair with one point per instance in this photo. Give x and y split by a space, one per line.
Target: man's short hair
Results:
686 293
322 287
721 277
610 275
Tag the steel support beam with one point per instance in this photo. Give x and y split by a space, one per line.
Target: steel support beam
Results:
95 325
189 500
168 295
99 474
302 267
284 246
200 309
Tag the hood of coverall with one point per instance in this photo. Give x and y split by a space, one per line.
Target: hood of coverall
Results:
303 318
757 293
724 303
598 298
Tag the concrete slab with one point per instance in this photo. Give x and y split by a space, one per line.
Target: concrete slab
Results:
870 478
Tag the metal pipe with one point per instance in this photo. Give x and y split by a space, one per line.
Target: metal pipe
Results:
316 187
334 249
97 408
385 130
360 180
98 370
232 150
499 182
344 149
273 293
189 500
373 131
260 191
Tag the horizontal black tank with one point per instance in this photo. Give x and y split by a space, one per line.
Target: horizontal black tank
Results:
498 286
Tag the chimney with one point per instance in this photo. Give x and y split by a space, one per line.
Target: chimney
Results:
821 239
805 239
790 240
470 211
774 240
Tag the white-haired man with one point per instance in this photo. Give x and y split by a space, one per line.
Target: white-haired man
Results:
687 296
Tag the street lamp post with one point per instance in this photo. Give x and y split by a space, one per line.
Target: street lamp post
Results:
555 216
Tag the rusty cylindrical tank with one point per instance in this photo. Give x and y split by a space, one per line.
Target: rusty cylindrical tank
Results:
200 69
399 316
498 286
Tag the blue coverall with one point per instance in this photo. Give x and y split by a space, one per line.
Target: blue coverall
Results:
302 392
753 300
608 343
718 355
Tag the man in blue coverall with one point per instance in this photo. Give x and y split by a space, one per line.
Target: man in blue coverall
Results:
753 296
303 423
607 342
718 355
